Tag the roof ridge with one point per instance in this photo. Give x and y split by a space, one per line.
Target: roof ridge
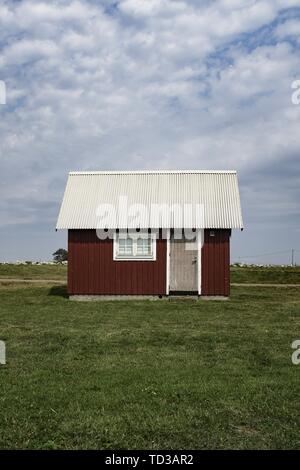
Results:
147 172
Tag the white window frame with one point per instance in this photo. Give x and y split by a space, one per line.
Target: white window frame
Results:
135 257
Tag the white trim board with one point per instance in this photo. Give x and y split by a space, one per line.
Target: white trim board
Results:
200 240
168 264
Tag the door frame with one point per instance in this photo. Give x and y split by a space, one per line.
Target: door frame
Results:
200 241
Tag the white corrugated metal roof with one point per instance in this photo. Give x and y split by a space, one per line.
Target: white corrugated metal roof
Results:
89 196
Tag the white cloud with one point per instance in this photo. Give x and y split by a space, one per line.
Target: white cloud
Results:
140 8
27 50
288 28
259 72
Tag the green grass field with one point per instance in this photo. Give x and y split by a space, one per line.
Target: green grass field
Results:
285 275
43 271
263 275
155 375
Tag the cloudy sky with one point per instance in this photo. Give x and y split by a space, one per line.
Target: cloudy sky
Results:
149 84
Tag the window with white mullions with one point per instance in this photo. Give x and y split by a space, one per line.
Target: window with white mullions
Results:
134 247
125 247
143 246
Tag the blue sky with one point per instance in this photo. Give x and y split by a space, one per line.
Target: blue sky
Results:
149 84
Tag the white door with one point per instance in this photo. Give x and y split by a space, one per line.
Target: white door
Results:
183 266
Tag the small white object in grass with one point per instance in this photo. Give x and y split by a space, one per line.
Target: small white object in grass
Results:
2 353
296 354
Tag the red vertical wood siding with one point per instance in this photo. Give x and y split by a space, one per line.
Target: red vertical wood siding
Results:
215 270
92 270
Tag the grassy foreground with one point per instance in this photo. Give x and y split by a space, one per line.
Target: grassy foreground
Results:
156 375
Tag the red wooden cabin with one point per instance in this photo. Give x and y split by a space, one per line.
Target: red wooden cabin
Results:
150 233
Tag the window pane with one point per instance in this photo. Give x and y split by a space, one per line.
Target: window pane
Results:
144 246
125 246
121 246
